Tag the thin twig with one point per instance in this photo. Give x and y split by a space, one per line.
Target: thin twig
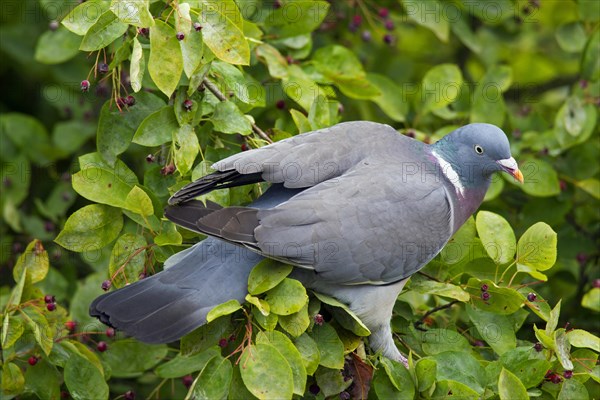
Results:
421 320
215 90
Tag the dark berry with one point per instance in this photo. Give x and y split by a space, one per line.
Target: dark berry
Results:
129 395
180 36
596 283
314 389
345 395
197 26
319 319
49 299
531 297
538 347
222 342
276 4
48 226
568 374
556 379
479 343
167 169
244 147
280 104
187 381
103 68
32 360
144 31
188 104
563 185
389 25
484 288
51 306
85 85
102 346
366 36
53 25
357 20
388 39
150 158
231 338
129 100
485 296
410 133
71 325
64 394
581 258
290 60
549 373
106 285
384 12
110 332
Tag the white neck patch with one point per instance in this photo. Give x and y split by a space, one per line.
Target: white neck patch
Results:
450 174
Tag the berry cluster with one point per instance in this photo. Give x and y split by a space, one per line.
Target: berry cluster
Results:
50 302
485 296
555 378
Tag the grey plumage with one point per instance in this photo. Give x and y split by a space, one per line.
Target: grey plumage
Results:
356 207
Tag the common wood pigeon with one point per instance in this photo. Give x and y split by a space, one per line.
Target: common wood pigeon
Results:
357 209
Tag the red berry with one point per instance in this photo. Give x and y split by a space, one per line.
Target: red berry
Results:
280 104
581 258
244 147
49 226
102 346
222 342
388 39
596 283
129 395
556 379
64 394
290 60
277 4
531 297
32 360
187 381
384 12
144 31
319 319
231 338
389 25
538 347
106 285
563 185
357 20
85 85
49 299
484 288
51 306
485 296
549 373
180 36
150 158
197 26
568 374
110 332
188 104
167 169
103 68
71 326
129 100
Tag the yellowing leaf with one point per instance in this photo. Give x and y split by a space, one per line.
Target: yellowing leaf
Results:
165 46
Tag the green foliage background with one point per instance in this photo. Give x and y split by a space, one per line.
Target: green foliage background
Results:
85 177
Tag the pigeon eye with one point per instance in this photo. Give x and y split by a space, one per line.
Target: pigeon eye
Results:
478 149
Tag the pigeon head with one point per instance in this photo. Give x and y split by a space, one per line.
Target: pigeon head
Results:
475 152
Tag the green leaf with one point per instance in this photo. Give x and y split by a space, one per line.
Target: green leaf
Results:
221 35
206 336
90 228
288 297
140 357
431 15
103 32
563 349
348 319
229 307
55 47
43 380
102 186
330 346
301 121
458 247
462 367
575 122
488 103
441 86
127 259
183 365
296 18
133 12
590 64
309 351
276 63
34 262
289 352
436 341
553 319
12 329
186 148
331 382
458 390
228 118
424 285
541 179
268 321
581 338
571 37
261 305
117 128
318 116
82 17
83 378
139 202
573 389
137 66
192 49
537 247
390 98
42 331
496 330
300 87
591 299
168 235
496 236
510 387
262 363
13 381
591 186
425 371
399 377
503 301
213 381
165 46
297 323
266 275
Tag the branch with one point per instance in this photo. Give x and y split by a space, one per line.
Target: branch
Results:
421 320
215 90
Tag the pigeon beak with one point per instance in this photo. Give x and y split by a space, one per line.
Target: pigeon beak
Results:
510 165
